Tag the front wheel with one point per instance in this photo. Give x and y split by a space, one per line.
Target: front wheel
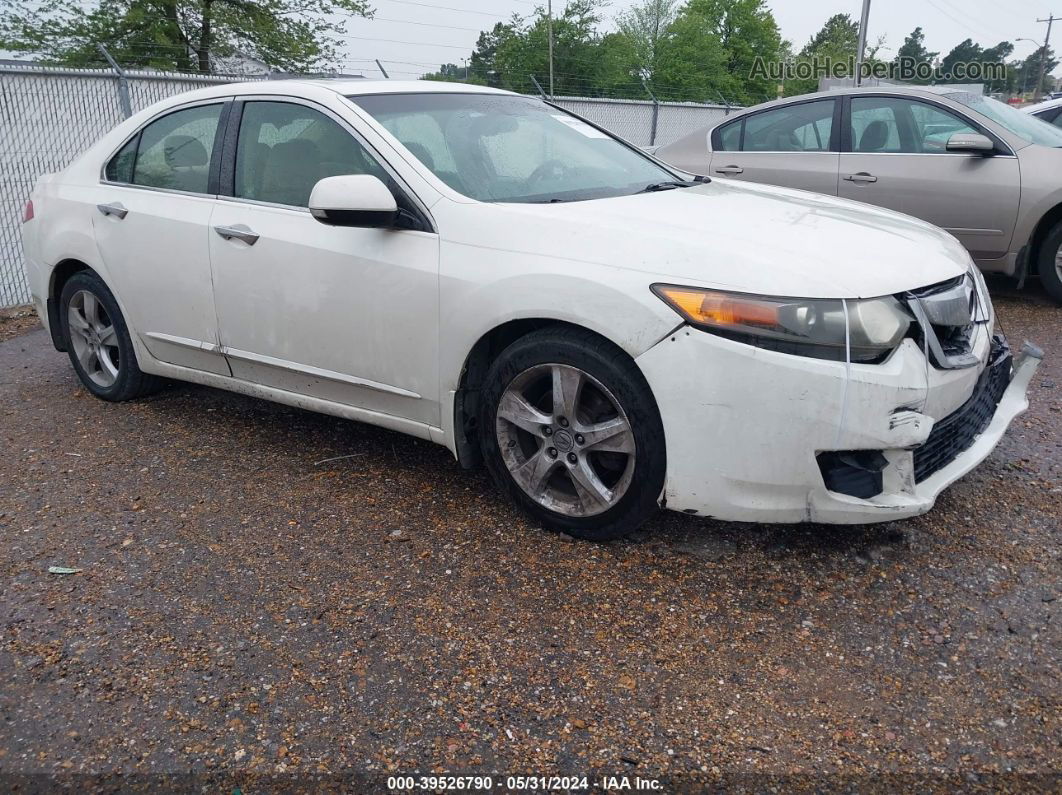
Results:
569 428
1050 264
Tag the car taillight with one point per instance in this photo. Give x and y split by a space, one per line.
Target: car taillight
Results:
28 215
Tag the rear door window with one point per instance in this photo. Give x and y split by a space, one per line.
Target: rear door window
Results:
804 127
174 151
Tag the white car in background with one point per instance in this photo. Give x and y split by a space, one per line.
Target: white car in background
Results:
491 273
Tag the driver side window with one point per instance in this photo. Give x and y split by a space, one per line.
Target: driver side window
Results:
284 148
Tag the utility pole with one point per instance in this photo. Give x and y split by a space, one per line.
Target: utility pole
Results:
863 20
549 30
1043 57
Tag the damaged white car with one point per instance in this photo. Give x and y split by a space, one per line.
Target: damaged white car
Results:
494 274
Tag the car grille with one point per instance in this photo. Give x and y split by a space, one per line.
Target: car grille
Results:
956 432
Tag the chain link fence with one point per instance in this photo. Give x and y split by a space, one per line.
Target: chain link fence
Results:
50 115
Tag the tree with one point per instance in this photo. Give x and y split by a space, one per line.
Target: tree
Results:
913 51
964 52
739 30
645 26
186 35
838 38
836 42
1026 72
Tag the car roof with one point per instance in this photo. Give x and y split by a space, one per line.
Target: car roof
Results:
929 92
311 88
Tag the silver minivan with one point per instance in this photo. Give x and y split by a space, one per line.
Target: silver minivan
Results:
984 171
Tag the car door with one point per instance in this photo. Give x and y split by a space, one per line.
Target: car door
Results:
795 145
154 204
348 315
894 155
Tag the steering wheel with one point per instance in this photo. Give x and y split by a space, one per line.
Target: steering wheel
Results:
550 168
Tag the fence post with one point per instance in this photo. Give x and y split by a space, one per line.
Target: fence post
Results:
123 84
656 113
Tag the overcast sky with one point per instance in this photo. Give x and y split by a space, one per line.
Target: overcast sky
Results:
413 36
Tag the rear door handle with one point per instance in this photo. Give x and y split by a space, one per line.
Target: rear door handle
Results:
862 176
117 209
730 170
238 232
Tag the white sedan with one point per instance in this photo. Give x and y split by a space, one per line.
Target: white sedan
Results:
492 273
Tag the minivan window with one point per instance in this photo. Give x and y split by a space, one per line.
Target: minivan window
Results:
174 151
284 148
502 148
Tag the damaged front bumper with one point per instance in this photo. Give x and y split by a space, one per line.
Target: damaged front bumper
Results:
751 433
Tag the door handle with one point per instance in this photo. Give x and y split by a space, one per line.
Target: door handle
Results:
862 176
730 170
117 209
238 232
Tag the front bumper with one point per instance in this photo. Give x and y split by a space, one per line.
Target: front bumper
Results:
744 426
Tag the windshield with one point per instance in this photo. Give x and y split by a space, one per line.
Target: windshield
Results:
499 148
1030 128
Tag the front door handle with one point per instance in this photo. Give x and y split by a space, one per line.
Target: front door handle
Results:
117 209
862 176
730 170
238 232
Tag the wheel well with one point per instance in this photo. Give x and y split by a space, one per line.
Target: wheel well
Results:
478 362
1043 229
61 274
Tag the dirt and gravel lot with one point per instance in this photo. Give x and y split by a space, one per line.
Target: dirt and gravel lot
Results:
267 596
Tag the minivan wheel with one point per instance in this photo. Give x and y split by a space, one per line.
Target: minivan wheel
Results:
1050 264
98 341
570 430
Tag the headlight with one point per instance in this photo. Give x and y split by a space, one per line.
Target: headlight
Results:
803 326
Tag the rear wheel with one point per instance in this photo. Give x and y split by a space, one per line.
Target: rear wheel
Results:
570 430
1050 264
98 341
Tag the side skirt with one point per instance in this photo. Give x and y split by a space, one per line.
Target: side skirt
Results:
418 429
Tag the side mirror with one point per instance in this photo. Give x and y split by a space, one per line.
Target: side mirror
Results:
353 200
974 143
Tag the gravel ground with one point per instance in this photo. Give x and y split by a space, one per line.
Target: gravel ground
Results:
267 596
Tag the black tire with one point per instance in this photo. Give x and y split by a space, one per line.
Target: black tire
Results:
1048 267
617 372
130 381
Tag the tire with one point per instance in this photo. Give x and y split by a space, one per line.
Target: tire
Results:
1050 264
98 342
596 475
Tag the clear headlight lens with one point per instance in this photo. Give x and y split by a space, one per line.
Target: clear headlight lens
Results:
803 326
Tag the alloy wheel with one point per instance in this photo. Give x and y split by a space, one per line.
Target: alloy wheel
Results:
565 440
94 339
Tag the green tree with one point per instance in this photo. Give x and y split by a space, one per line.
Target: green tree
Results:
692 64
965 52
711 47
835 42
292 35
645 26
913 51
839 37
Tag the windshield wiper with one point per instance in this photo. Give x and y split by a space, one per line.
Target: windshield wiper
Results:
670 185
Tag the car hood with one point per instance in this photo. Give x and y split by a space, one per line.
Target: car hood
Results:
737 236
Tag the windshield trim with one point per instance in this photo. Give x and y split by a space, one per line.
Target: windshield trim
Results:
675 173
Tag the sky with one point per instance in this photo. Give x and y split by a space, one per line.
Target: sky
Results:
414 36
